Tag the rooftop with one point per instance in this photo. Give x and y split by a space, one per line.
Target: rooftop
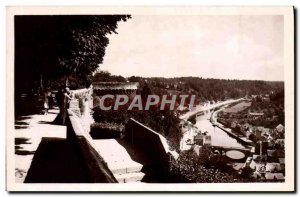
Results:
274 176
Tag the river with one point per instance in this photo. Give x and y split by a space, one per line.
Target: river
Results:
218 136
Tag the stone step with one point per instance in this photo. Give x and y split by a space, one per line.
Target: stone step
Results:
126 167
130 177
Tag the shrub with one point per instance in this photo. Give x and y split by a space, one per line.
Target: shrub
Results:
101 130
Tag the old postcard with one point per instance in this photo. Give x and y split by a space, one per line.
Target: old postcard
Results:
150 99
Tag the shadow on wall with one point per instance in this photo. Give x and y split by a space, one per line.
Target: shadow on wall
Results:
57 161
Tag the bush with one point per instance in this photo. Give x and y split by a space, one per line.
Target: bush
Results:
162 121
101 130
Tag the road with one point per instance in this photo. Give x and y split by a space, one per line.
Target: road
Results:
200 108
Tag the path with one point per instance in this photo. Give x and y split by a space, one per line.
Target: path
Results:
29 131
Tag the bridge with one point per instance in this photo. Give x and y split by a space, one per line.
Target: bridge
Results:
224 149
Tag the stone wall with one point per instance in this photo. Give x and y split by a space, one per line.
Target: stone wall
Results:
97 167
151 142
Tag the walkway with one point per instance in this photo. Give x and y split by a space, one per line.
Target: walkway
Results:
29 131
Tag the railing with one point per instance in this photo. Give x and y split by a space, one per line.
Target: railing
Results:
81 104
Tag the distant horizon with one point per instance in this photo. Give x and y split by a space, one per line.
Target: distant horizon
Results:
242 47
126 77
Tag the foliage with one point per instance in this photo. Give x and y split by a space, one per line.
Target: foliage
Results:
192 119
272 109
50 47
164 122
104 76
209 89
247 173
106 130
192 168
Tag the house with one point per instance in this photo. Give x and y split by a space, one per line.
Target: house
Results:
282 163
246 126
260 128
265 131
254 165
257 166
271 153
202 140
248 162
280 142
261 148
263 138
256 114
249 135
280 153
266 98
273 167
280 128
197 149
233 124
237 166
270 138
182 123
259 158
271 143
257 133
252 150
274 176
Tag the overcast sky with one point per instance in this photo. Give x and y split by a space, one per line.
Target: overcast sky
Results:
227 47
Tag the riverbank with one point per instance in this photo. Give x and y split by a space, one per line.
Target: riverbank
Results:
242 140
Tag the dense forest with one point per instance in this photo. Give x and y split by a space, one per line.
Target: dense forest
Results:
211 89
204 89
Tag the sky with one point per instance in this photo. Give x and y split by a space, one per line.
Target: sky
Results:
224 47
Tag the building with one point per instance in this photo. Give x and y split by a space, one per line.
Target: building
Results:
256 114
280 142
273 167
274 177
261 151
280 128
114 88
202 140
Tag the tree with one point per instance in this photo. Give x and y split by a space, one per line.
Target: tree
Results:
247 173
105 76
190 167
51 47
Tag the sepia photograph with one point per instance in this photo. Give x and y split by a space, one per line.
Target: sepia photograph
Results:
150 99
